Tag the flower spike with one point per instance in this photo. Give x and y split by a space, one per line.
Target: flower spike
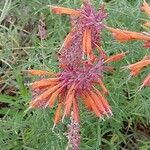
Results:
81 70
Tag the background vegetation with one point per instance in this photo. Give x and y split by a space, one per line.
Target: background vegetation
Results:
21 49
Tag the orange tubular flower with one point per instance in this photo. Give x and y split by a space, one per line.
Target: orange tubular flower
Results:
67 87
101 52
57 117
62 10
81 70
81 75
137 67
40 72
87 23
87 45
146 7
104 89
116 57
124 35
146 81
45 82
93 105
68 38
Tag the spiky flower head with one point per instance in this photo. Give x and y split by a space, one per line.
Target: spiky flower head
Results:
79 77
87 24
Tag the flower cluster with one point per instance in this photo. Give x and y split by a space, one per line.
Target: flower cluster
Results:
81 75
81 70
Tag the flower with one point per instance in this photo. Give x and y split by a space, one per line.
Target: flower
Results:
124 35
116 57
81 72
146 7
87 24
137 67
68 86
146 81
79 78
62 10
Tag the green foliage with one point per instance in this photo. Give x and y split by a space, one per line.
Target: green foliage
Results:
21 49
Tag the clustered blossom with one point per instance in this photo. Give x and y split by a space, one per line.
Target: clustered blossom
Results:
124 36
86 26
81 75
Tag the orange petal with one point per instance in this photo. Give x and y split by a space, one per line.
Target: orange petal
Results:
97 101
70 91
62 10
84 40
103 100
68 103
69 99
88 42
86 101
100 82
135 72
145 7
58 113
93 105
119 35
102 53
53 97
123 35
146 81
68 38
139 65
44 83
44 95
75 111
139 36
39 72
116 57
